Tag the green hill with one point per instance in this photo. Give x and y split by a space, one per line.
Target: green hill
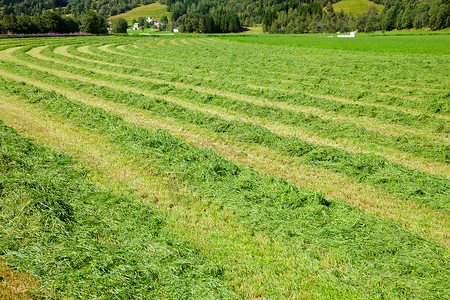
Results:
156 10
73 7
356 7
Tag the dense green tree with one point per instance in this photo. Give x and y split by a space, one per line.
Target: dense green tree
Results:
268 19
436 22
164 20
26 24
406 20
73 7
373 23
361 22
275 16
119 25
141 21
71 24
209 24
10 23
388 20
50 21
92 22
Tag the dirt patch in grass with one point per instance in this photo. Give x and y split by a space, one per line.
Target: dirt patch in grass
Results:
15 285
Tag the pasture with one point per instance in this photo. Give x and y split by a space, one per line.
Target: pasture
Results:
225 167
356 7
156 10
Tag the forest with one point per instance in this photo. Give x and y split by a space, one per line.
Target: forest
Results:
306 16
53 22
105 8
223 16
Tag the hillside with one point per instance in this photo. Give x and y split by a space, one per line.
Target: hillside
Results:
293 16
74 7
356 7
156 10
301 16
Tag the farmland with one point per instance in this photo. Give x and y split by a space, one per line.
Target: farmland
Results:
156 10
226 167
356 7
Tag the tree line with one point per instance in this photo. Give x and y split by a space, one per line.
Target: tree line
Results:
202 16
302 16
210 24
207 16
53 22
77 8
396 15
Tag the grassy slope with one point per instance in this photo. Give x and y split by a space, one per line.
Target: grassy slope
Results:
356 7
252 30
156 10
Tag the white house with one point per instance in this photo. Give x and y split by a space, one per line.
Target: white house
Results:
175 29
136 26
150 19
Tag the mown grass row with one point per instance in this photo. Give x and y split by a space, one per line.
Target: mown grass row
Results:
307 77
83 241
291 92
169 62
431 190
347 83
416 217
368 257
415 145
441 152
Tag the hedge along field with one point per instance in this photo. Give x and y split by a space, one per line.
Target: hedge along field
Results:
319 247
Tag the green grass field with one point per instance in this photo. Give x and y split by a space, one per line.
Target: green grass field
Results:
356 7
414 42
156 10
233 167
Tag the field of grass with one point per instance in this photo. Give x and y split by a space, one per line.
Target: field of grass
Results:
356 7
148 31
414 42
252 30
156 10
238 167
